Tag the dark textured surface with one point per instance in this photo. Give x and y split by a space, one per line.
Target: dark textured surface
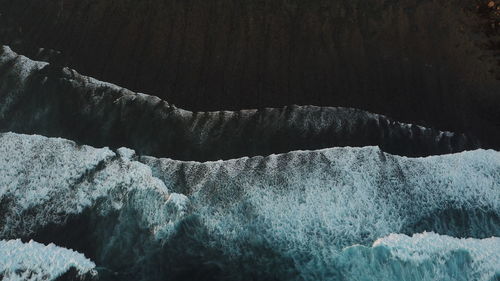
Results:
38 99
433 63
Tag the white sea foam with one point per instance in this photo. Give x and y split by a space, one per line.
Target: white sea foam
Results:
33 261
426 256
304 207
307 206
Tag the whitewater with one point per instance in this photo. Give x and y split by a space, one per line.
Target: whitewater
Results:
331 214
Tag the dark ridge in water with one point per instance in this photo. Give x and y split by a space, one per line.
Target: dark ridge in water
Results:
429 62
36 98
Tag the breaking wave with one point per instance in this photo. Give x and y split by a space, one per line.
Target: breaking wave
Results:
34 261
281 217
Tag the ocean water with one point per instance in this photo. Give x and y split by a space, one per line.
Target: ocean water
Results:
332 214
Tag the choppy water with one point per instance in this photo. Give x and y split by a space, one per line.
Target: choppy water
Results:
333 214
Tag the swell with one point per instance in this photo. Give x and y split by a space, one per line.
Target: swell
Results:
37 98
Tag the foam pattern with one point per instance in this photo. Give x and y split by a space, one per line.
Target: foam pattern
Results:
426 256
33 261
47 180
305 207
281 217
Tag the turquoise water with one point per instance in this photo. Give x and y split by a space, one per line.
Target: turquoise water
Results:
333 214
